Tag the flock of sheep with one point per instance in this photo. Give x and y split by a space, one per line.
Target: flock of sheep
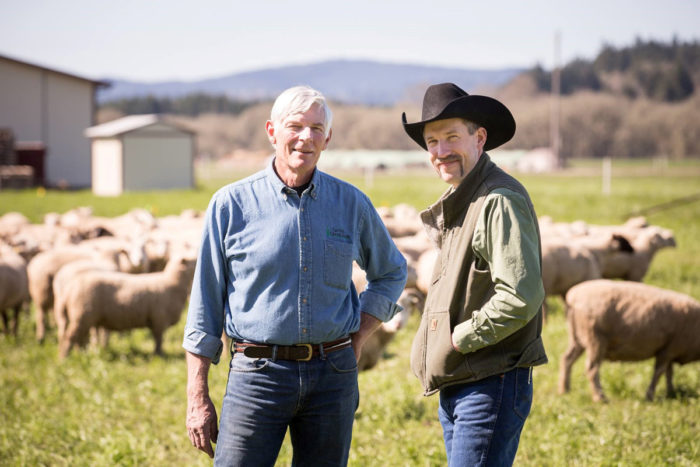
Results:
94 275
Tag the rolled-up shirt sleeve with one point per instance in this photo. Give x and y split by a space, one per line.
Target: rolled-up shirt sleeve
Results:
506 238
384 266
206 312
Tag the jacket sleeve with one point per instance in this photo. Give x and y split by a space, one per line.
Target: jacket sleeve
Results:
505 238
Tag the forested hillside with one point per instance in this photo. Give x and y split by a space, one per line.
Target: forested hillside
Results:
663 72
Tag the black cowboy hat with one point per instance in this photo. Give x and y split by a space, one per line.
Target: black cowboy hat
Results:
447 100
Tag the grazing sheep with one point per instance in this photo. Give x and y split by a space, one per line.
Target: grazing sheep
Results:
119 301
41 271
135 259
415 245
645 245
629 321
424 269
72 271
402 220
567 262
373 349
134 224
11 223
14 289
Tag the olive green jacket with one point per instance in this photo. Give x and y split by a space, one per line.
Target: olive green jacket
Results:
483 313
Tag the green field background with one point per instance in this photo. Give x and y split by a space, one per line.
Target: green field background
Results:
123 406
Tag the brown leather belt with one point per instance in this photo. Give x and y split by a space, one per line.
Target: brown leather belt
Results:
300 352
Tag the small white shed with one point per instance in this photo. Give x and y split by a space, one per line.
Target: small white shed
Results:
141 152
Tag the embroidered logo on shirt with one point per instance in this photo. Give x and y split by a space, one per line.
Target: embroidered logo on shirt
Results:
337 233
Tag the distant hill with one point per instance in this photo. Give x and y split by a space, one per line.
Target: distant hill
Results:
348 81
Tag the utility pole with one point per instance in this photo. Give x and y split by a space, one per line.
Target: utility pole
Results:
555 112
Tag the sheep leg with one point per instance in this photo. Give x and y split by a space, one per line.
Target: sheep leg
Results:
76 333
593 362
661 366
5 322
59 313
15 323
103 337
157 333
40 323
567 360
669 381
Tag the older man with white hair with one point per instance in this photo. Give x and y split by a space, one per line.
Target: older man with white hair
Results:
274 272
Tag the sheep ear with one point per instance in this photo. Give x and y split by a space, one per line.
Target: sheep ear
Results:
622 244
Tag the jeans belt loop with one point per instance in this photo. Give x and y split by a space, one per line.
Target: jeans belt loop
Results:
321 353
274 353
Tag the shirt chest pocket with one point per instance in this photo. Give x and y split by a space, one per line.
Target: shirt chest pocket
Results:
337 264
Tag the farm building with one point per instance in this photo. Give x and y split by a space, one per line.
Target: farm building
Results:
141 152
48 109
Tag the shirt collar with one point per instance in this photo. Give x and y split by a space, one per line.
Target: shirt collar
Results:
280 187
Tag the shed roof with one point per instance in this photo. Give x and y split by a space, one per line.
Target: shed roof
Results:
53 70
127 124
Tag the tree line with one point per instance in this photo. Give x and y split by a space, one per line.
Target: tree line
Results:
190 105
652 69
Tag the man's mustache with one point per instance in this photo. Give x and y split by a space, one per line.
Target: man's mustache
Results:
449 158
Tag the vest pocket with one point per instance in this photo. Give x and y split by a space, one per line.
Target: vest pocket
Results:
443 362
337 264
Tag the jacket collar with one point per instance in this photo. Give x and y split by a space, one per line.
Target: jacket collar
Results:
455 200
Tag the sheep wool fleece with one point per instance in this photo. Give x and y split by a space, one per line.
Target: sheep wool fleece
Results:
501 322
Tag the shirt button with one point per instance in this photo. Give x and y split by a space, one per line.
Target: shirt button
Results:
303 300
303 330
302 209
305 268
304 238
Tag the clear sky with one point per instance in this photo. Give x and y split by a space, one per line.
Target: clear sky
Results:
158 40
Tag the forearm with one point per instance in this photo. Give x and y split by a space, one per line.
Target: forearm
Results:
368 324
197 376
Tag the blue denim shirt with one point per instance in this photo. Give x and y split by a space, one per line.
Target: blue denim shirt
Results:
276 268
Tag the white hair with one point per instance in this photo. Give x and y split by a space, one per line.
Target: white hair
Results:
299 99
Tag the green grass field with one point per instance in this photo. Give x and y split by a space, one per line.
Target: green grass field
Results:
123 406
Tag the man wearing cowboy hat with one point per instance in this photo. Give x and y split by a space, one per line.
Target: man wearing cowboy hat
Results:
480 333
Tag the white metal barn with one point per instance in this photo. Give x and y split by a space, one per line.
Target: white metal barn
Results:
40 104
140 152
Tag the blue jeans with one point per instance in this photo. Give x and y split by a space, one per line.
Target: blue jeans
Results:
482 421
317 400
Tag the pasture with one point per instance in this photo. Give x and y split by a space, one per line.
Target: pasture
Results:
123 406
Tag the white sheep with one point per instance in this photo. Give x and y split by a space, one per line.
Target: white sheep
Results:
120 301
414 246
41 271
424 269
629 321
72 271
11 223
633 267
14 288
567 262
